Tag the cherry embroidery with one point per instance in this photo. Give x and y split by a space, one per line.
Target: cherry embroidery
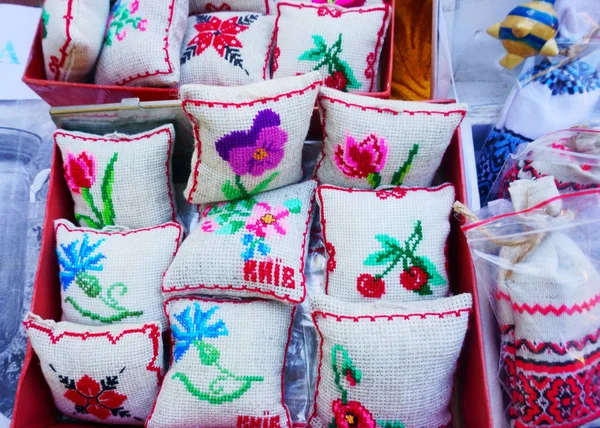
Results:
418 272
99 399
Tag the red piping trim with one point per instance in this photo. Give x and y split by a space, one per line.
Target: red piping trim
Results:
212 104
343 189
165 48
385 8
152 330
286 297
371 318
55 64
545 310
128 140
536 207
204 299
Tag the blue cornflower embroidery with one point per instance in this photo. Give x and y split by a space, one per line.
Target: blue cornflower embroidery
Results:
78 258
194 329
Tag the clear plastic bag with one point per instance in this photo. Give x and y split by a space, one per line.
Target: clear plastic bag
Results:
571 156
540 267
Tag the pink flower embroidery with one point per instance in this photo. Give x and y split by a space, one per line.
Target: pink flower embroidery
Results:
352 414
361 159
135 5
209 226
80 171
266 221
143 25
121 35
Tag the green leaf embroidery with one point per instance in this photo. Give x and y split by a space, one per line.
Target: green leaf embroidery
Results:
231 228
229 191
328 57
262 186
103 319
216 395
294 205
374 179
209 354
388 242
80 218
108 213
86 194
398 177
390 424
381 258
435 278
45 19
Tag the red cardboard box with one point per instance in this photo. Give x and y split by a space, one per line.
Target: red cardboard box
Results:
70 94
34 406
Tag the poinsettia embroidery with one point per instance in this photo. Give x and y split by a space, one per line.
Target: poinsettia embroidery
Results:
222 36
192 330
339 74
99 399
349 413
80 173
418 274
253 152
123 16
76 260
259 222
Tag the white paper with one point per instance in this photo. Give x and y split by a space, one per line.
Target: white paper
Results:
18 25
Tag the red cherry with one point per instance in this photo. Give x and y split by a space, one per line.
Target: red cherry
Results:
414 278
370 286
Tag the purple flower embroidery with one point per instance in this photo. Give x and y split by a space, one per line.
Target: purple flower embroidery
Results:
253 152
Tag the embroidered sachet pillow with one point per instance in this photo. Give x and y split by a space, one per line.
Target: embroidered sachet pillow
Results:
388 244
248 139
370 142
250 247
114 276
225 48
107 374
201 6
72 35
387 364
142 43
119 179
227 364
343 44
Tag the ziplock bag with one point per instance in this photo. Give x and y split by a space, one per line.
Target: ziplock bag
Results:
540 266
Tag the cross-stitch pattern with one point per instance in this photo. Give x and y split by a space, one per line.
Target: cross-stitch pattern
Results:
80 173
390 245
227 365
45 19
123 18
190 332
100 399
370 143
250 246
76 260
249 139
202 6
362 346
418 273
114 277
100 374
339 74
109 175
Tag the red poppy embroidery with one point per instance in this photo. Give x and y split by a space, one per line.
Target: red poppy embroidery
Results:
97 399
352 415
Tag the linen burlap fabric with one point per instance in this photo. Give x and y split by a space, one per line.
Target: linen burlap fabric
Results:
142 43
249 138
250 247
343 44
72 36
119 179
370 142
103 374
202 6
387 364
227 364
234 56
114 277
386 244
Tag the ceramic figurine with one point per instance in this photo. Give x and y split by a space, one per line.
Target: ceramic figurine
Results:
528 29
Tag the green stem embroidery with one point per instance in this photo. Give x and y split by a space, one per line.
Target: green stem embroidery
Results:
398 177
92 288
347 369
418 274
120 18
86 194
374 179
106 217
239 191
106 320
209 355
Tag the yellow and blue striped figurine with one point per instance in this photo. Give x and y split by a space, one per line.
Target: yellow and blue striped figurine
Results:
528 29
